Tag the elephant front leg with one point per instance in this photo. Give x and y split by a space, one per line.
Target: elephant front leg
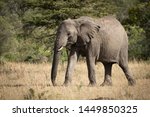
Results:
91 70
70 67
107 79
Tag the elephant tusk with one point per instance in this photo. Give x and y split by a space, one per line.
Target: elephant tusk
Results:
60 48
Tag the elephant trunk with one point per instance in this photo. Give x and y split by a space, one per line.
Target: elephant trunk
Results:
55 65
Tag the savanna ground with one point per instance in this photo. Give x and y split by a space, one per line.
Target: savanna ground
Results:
32 81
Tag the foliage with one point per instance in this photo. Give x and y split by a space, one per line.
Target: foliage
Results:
136 36
28 27
10 28
139 16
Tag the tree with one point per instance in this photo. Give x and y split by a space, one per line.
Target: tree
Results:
43 16
28 27
139 16
10 26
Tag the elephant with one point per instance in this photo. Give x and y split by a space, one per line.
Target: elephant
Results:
98 40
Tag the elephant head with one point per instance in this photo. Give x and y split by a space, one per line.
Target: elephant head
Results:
66 36
68 33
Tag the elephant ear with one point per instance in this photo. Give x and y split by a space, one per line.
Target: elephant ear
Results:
88 30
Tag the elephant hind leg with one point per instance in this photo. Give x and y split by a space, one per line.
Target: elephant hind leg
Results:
107 79
127 72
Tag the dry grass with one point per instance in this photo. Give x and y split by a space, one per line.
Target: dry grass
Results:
32 81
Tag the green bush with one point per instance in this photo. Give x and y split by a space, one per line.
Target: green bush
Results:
28 27
136 38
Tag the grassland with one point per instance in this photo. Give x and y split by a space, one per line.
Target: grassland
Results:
32 81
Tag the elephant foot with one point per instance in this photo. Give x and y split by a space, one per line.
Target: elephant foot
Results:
67 83
92 84
131 82
106 83
54 84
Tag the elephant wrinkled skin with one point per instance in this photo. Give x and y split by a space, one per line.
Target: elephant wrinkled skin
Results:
103 40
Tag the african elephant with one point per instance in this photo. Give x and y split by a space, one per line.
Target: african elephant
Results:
103 40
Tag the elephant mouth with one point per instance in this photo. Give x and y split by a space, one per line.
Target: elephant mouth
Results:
68 46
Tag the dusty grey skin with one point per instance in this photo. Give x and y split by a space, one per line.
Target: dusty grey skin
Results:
103 40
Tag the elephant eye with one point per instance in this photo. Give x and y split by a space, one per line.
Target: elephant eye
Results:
69 34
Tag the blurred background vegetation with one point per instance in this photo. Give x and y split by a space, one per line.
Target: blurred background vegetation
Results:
28 27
